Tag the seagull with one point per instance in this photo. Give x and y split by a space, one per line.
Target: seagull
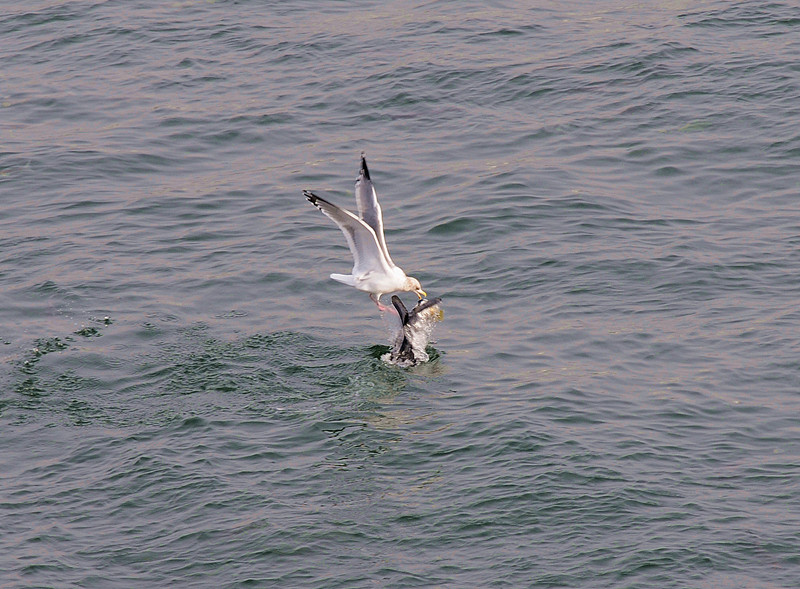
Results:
373 269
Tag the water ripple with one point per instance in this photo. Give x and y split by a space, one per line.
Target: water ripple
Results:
605 198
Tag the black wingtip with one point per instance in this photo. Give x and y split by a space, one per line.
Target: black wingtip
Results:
313 199
364 169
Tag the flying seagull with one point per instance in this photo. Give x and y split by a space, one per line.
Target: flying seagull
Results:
373 269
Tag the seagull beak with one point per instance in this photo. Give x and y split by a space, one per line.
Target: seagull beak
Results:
421 293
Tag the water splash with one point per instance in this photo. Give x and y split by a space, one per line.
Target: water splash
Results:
410 331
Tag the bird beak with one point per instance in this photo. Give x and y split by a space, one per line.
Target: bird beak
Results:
421 293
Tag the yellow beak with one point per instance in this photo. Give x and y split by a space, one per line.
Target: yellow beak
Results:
424 294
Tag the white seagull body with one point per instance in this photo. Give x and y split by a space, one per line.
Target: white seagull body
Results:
373 269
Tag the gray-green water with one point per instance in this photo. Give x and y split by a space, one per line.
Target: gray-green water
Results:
606 195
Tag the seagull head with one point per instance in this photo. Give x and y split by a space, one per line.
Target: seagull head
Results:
413 284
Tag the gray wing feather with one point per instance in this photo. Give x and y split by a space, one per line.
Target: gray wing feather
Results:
360 237
368 208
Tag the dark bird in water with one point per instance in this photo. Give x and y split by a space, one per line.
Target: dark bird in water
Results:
414 331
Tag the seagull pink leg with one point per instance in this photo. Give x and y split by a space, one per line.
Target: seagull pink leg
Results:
375 300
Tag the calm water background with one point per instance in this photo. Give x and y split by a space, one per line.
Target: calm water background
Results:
606 195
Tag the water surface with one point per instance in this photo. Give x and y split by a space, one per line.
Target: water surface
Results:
606 198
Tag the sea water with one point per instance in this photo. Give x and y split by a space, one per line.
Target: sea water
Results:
605 195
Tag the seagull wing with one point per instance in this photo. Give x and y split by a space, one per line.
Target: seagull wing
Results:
368 208
367 254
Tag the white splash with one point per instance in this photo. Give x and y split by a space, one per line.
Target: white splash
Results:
410 331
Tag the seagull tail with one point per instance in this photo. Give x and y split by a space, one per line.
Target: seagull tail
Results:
344 279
